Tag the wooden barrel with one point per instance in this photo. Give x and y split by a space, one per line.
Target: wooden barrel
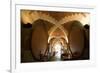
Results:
77 41
39 40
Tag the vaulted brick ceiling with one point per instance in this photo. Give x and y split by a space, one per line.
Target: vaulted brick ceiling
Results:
54 17
59 15
54 20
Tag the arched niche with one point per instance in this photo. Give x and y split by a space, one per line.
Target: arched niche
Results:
57 41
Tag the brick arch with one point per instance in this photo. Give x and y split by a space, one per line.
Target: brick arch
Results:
77 17
38 15
52 29
61 28
49 19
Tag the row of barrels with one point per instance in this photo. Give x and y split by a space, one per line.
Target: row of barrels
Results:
78 38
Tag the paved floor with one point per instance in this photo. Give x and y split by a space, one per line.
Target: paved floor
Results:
27 57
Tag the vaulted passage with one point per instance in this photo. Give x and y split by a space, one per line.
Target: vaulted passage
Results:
49 38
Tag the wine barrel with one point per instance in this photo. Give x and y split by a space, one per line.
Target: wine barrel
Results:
77 41
39 40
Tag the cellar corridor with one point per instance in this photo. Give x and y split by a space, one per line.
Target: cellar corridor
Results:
54 36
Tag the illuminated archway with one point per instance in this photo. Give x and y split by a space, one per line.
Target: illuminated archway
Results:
57 42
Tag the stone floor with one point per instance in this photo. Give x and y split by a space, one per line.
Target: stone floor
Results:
27 57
